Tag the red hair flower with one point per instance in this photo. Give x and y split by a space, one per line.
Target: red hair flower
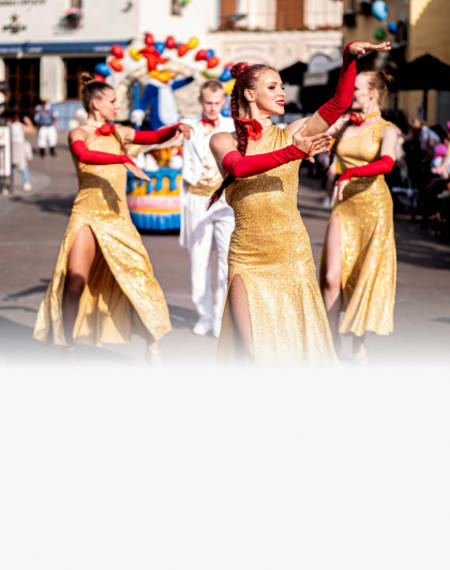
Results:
253 128
356 119
105 130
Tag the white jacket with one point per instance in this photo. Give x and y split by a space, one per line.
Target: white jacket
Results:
194 148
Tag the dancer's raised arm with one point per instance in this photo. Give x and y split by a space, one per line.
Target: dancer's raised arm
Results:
333 109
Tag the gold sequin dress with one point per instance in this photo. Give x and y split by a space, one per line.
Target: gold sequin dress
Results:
368 256
271 252
122 295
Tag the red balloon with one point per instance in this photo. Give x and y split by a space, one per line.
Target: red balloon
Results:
170 42
201 54
117 51
149 39
228 65
212 62
99 77
182 49
116 64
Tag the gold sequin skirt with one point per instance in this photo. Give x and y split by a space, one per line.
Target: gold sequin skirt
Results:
122 295
368 257
288 319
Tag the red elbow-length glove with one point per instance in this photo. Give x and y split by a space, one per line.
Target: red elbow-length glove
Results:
81 151
152 137
244 166
381 166
342 99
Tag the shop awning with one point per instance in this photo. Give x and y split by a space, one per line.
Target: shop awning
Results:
32 48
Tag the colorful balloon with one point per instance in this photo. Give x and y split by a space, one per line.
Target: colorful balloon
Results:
380 10
160 46
229 65
149 39
170 42
182 50
225 75
99 77
116 64
228 87
379 34
212 62
201 54
102 69
163 76
117 51
209 53
135 53
193 42
393 27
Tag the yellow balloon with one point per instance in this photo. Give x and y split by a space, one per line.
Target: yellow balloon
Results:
163 76
134 53
193 42
228 87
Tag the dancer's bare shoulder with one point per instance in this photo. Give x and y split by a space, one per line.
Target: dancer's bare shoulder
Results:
221 143
78 134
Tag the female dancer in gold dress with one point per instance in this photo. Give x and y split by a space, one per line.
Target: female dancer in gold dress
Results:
358 269
274 311
103 287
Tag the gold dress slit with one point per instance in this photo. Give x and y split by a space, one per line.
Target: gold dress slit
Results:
122 295
271 252
367 242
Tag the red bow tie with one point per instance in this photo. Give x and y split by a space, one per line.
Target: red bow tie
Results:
106 129
206 121
253 128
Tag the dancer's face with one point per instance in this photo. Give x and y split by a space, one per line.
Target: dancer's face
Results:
106 105
364 96
212 103
269 93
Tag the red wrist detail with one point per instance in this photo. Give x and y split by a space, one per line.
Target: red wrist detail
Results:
243 166
381 166
151 137
343 97
81 151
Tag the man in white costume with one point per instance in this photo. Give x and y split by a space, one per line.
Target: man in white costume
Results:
201 228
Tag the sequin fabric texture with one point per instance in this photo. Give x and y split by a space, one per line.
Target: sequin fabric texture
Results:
368 255
271 252
122 295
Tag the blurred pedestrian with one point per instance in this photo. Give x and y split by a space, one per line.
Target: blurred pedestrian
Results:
46 120
21 150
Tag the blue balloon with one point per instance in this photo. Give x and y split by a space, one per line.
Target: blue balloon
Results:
226 75
160 46
393 27
209 53
102 69
380 10
225 112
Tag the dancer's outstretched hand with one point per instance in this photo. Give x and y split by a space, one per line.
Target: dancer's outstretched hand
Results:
138 172
361 48
338 192
311 145
185 129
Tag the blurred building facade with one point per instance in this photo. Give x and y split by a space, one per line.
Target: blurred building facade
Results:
422 27
44 44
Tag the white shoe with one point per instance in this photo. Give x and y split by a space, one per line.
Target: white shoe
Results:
202 327
217 325
27 187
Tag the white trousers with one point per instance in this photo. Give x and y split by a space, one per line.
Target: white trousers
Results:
203 230
47 136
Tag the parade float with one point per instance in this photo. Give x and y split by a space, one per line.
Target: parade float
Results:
157 83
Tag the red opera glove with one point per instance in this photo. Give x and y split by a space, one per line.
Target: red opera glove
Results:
335 107
243 166
159 136
81 151
381 166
